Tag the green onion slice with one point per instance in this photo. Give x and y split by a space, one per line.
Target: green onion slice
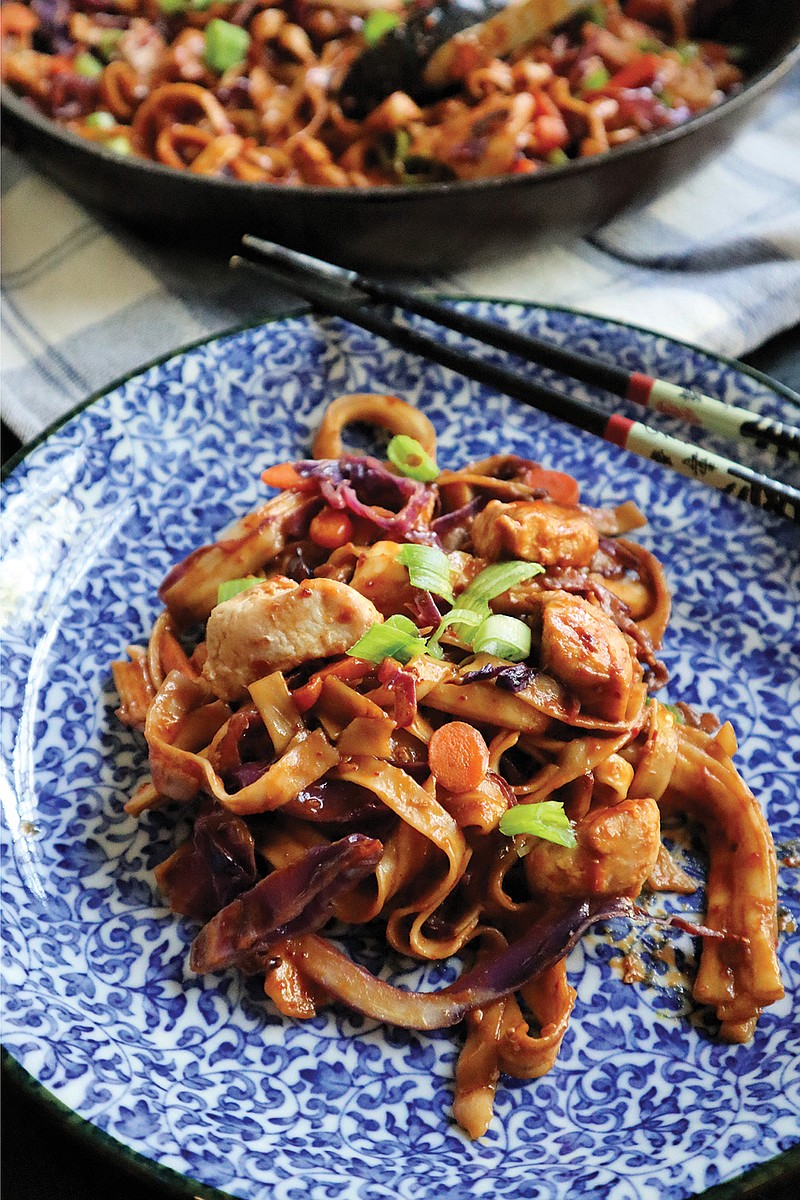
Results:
87 65
226 45
429 569
119 145
492 582
170 7
546 819
687 51
495 580
464 617
596 13
101 120
595 80
232 587
377 24
393 639
109 42
505 637
398 621
557 157
411 458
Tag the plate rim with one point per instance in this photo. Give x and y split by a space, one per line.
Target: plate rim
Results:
780 1167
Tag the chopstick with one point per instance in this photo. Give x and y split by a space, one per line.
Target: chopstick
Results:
659 395
330 295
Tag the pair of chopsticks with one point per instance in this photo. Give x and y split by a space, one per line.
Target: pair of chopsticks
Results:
337 291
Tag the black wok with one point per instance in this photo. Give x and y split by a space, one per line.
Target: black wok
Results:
430 227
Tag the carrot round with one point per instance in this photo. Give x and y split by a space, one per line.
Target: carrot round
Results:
561 487
458 756
284 476
331 529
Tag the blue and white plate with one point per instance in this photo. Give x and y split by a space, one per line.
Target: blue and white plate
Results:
200 1076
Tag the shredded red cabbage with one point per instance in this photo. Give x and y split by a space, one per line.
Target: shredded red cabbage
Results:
403 686
511 677
459 516
294 900
52 34
214 867
337 802
546 941
423 608
365 487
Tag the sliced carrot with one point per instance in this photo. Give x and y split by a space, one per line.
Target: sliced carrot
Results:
458 756
347 669
284 476
640 72
561 487
331 529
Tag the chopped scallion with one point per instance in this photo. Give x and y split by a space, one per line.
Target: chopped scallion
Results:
392 639
457 616
171 7
377 24
398 621
411 458
496 579
595 80
557 157
232 587
505 637
492 582
87 65
109 41
687 51
226 45
546 819
118 145
101 120
429 569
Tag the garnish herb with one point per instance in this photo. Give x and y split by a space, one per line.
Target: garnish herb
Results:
546 820
429 569
411 459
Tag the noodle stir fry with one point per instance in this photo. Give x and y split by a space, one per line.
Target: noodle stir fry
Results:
422 698
249 89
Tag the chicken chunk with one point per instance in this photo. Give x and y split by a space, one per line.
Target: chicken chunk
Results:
537 531
616 851
277 625
382 579
583 648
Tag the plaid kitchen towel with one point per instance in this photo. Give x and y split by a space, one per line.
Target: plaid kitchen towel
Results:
716 261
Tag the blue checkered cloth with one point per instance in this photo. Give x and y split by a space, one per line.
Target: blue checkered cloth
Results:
716 262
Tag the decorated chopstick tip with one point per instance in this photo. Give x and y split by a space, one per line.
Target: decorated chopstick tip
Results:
716 416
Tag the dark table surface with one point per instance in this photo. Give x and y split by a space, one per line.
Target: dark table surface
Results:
44 1158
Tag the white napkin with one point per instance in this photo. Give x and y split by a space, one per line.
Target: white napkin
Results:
716 261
